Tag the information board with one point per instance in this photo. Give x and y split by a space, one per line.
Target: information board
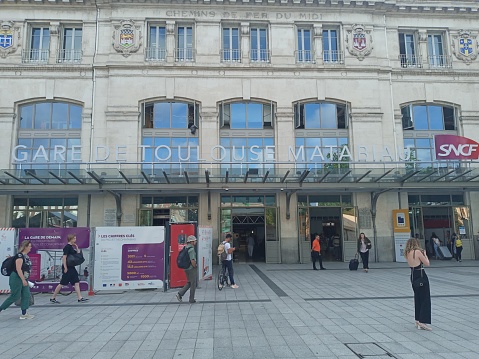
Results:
205 240
129 258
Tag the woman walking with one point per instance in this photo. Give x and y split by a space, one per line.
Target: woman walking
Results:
18 281
364 245
70 274
458 246
417 258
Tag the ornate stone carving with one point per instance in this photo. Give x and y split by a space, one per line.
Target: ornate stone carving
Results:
464 46
245 28
127 37
359 41
170 27
9 38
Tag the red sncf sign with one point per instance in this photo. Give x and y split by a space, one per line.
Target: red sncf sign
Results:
451 147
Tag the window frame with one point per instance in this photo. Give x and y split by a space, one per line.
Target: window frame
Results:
230 54
156 53
300 116
39 54
304 55
185 53
75 53
332 56
256 54
266 125
192 119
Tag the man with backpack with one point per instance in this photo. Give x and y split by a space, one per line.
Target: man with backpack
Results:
191 272
228 262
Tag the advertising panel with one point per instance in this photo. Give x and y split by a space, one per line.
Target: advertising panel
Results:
7 244
46 255
402 232
205 250
129 258
179 233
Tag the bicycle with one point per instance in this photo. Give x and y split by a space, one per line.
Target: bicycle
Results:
222 279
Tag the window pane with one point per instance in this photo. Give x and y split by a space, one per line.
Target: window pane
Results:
42 116
423 143
179 115
75 117
435 118
311 113
420 118
26 116
162 115
238 115
449 123
255 115
59 116
328 115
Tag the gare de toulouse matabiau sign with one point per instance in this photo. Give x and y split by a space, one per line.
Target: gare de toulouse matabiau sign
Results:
447 147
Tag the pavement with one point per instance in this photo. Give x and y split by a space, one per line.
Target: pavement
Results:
278 311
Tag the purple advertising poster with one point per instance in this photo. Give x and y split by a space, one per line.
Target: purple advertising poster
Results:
142 261
47 252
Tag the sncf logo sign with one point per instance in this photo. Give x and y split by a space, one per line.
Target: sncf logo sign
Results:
451 147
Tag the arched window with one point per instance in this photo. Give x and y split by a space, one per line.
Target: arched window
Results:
49 134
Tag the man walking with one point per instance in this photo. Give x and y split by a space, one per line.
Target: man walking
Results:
191 272
228 262
316 253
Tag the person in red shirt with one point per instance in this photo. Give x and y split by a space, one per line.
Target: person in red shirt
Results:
316 253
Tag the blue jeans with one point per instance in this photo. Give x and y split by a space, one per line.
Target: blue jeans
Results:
229 265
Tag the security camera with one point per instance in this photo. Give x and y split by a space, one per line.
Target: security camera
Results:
282 189
193 129
226 189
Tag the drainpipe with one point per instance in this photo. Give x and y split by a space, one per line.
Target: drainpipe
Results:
119 213
93 92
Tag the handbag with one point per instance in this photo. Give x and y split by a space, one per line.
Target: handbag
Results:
18 302
418 282
76 259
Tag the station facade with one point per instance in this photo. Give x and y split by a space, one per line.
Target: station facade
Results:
269 119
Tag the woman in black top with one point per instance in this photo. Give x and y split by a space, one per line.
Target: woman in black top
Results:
70 274
18 281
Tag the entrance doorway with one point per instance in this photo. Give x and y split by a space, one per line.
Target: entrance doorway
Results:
248 234
327 222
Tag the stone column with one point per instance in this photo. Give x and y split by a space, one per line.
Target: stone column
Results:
422 50
170 42
55 42
318 43
245 43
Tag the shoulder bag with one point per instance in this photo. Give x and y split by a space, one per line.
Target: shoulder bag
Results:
418 282
76 259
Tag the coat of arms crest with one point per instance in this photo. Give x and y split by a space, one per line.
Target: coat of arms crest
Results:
127 37
9 38
464 46
359 41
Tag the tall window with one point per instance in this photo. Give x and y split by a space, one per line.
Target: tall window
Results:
156 50
321 115
170 114
230 51
304 53
49 135
184 43
39 45
435 51
48 212
71 45
407 50
259 51
331 53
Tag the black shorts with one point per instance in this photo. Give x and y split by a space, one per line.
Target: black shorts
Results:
71 276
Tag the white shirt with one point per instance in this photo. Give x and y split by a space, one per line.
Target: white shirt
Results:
227 247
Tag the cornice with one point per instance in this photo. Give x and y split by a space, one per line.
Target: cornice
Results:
431 6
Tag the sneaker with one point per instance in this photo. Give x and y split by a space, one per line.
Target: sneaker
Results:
234 286
178 296
54 301
27 316
83 300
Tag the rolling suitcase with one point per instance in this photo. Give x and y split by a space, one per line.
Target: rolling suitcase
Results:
354 263
444 253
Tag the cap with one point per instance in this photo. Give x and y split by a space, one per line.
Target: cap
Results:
190 239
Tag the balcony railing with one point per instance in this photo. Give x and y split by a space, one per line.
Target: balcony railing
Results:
230 55
333 57
439 61
304 56
36 56
155 54
259 55
413 61
69 56
185 54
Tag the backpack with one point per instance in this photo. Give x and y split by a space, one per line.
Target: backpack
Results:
8 265
222 252
183 261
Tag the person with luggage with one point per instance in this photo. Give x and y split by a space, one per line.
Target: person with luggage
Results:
70 274
316 253
436 243
18 281
458 246
191 272
417 258
364 245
